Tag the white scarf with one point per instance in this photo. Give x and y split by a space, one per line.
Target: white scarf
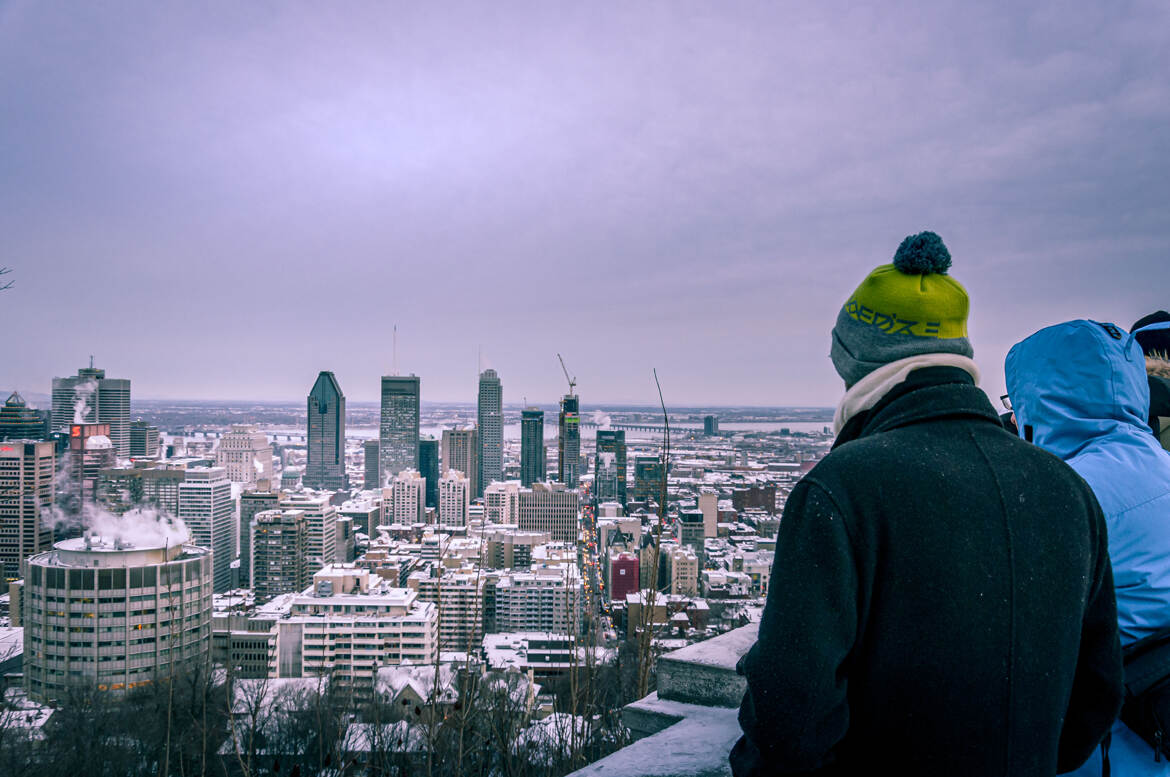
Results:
868 391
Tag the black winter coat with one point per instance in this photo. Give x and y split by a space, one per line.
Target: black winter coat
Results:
941 603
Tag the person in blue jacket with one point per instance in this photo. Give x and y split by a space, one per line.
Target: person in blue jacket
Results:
1079 390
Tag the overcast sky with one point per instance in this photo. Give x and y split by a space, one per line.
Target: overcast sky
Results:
220 200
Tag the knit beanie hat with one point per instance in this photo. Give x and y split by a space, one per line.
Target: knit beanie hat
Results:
903 309
1156 340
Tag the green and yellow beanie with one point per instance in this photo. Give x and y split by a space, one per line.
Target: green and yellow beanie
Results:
902 309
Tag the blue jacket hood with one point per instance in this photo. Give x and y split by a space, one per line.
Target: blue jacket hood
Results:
1077 382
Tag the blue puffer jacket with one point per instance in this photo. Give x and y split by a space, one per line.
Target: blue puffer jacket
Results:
1081 388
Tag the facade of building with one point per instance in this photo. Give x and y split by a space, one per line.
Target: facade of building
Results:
761 496
532 452
710 425
647 478
90 451
690 529
91 397
461 452
143 440
501 502
408 498
684 571
113 616
709 507
321 521
490 425
252 503
428 467
569 441
509 548
207 507
398 429
18 421
245 455
26 495
454 498
609 468
546 598
458 595
351 624
326 435
623 576
373 480
551 508
279 541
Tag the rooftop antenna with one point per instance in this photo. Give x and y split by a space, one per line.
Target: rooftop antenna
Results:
395 370
479 359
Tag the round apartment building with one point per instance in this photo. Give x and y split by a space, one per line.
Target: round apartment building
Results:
114 615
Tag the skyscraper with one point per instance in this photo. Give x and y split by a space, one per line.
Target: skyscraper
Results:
91 397
569 441
279 540
428 466
207 507
143 440
490 425
320 527
326 464
26 493
251 504
18 421
373 477
531 446
162 630
454 498
398 430
609 466
461 452
408 498
90 451
647 478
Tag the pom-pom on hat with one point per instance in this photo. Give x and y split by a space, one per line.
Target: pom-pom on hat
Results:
902 309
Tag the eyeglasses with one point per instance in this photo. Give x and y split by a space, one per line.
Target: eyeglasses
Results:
1007 401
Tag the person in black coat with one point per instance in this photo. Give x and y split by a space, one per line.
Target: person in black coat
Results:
941 600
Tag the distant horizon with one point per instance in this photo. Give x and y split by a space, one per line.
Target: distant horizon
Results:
469 403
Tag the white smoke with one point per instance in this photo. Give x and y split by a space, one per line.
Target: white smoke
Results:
139 526
601 419
81 395
143 525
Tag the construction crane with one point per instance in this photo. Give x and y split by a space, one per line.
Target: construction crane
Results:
572 381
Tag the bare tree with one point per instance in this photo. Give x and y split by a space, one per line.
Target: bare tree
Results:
5 285
646 620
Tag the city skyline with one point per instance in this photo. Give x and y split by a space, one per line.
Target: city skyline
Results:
704 188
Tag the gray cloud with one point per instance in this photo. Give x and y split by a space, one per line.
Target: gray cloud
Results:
222 200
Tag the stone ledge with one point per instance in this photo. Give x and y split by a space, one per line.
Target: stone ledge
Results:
704 673
695 746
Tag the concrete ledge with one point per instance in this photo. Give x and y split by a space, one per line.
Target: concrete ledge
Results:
696 746
647 717
705 673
